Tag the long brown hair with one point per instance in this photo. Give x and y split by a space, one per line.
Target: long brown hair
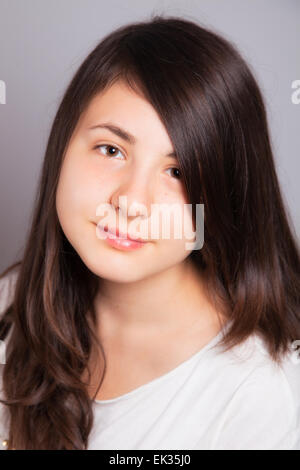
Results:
213 110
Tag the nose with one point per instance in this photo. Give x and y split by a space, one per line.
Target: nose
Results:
133 198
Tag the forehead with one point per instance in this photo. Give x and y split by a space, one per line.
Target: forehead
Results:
122 106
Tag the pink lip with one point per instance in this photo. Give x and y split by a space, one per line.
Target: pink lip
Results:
122 242
117 234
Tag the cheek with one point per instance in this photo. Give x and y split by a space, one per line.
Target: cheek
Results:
178 216
74 192
170 252
70 189
80 186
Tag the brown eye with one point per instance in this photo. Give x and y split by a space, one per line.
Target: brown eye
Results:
112 150
176 173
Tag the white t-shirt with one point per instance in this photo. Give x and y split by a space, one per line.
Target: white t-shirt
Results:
239 399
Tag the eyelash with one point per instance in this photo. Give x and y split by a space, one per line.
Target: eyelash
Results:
117 148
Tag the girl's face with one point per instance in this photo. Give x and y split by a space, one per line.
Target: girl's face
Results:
100 165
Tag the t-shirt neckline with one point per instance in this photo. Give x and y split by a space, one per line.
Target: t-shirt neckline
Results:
167 375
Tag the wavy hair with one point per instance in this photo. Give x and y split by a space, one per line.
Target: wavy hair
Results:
210 103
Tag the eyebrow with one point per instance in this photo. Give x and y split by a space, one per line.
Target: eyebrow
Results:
122 133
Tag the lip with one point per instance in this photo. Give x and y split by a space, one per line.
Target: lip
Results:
120 241
117 234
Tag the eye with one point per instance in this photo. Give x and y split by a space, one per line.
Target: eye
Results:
114 149
177 172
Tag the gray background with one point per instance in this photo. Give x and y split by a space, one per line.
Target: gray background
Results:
42 42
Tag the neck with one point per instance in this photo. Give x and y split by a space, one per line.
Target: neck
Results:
168 301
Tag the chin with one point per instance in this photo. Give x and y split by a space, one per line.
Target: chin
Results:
114 269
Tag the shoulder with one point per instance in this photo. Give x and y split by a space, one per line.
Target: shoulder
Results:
7 288
287 373
263 412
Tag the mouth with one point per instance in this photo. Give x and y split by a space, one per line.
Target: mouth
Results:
115 233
